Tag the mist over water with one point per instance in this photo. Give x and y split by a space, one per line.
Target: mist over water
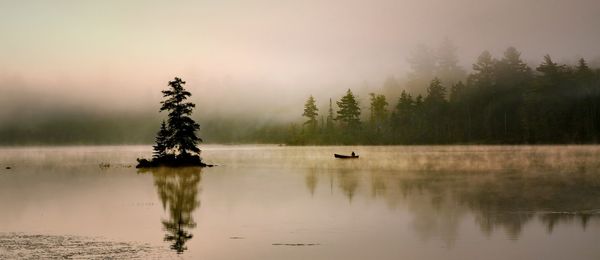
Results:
421 202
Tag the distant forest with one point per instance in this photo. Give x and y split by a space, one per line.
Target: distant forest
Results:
503 101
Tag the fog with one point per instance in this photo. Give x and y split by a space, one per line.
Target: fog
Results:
255 59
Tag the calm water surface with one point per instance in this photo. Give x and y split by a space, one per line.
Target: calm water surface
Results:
270 202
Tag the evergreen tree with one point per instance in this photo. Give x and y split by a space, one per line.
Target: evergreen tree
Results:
481 87
512 60
501 102
552 103
183 128
435 109
504 111
484 71
436 93
583 70
349 111
330 117
378 109
162 139
311 112
403 117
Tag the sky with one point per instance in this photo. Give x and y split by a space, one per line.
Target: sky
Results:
244 55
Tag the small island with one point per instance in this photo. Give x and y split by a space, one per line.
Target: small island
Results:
176 141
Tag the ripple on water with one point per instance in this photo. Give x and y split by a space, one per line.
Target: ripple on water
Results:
29 246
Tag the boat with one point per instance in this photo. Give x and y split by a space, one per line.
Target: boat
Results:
341 156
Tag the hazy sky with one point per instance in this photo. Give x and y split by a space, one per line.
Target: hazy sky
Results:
128 50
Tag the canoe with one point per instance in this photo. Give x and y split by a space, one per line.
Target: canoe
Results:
341 156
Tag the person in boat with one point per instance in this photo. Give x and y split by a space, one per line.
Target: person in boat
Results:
353 154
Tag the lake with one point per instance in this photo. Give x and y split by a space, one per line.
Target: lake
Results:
279 202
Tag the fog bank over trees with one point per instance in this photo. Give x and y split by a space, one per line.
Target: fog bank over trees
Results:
500 101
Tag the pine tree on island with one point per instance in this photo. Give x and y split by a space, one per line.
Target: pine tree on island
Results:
162 137
176 141
181 126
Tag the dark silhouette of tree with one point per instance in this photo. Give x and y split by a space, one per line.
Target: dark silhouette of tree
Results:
311 112
183 128
436 110
503 110
552 95
349 111
176 141
403 117
480 87
162 139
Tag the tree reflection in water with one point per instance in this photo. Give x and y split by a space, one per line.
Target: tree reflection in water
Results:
178 192
311 180
506 200
348 182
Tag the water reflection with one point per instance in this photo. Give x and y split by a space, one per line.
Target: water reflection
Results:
311 180
348 182
497 200
177 189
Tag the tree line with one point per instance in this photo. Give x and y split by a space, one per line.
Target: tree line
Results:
502 101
